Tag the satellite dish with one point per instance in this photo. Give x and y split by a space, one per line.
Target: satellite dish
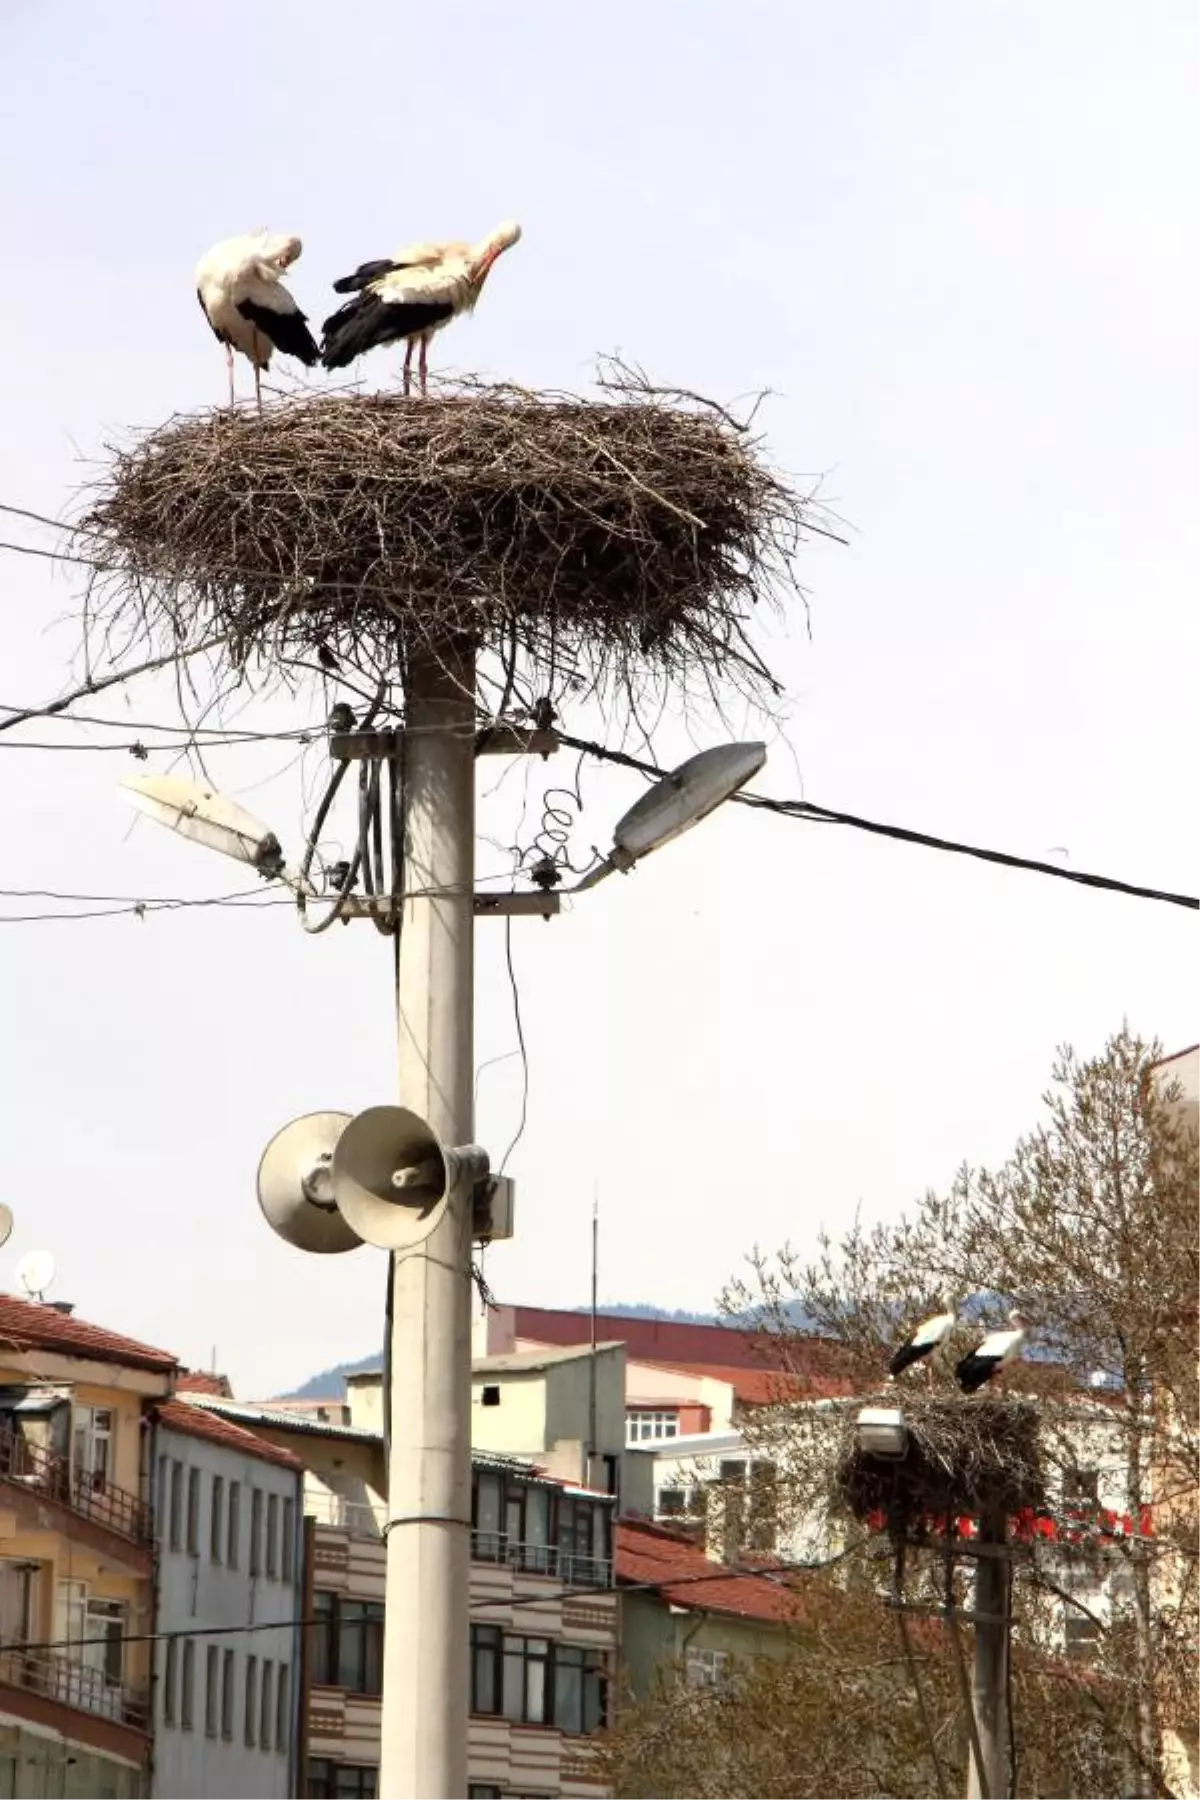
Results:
196 811
6 1223
392 1178
295 1185
35 1272
677 802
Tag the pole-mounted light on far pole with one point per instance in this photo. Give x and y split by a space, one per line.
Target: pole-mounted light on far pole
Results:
882 1431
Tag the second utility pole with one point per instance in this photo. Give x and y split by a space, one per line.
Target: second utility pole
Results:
992 1630
426 1650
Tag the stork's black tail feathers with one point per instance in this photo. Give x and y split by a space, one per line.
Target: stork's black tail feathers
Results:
288 331
366 322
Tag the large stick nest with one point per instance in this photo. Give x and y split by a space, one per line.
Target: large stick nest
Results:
963 1457
596 544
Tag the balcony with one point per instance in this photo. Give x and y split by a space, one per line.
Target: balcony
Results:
357 1518
76 1703
47 1476
558 1562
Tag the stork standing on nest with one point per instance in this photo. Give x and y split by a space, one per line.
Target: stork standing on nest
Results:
409 297
997 1348
924 1339
239 285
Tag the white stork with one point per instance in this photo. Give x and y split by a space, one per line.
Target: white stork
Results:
240 288
924 1339
998 1347
409 297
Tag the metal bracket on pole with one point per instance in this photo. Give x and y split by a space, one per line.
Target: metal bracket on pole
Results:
486 906
493 740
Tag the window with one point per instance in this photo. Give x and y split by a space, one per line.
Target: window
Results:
216 1519
273 1537
235 1524
706 1668
160 1497
289 1541
193 1512
250 1720
540 1528
479 1790
211 1700
266 1717
1081 1488
227 1696
579 1688
256 1516
283 1723
762 1512
187 1696
645 1427
170 1680
535 1682
490 1395
1080 1633
104 1639
176 1537
348 1643
92 1446
354 1781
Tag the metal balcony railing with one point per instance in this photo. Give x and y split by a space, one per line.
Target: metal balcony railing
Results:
75 1684
356 1517
563 1564
42 1471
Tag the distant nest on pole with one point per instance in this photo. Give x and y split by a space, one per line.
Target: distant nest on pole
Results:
964 1456
601 544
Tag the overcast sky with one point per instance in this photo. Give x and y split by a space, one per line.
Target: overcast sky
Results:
956 242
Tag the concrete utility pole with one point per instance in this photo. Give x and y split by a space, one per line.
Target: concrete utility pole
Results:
426 1658
992 1630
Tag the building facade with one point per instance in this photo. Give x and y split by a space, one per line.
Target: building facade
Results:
229 1528
76 1553
543 1603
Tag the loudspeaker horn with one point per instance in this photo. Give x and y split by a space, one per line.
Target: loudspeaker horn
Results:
393 1179
295 1185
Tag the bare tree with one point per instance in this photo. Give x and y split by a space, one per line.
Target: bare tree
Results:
842 1709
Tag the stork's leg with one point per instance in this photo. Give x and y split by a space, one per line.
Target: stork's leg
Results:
423 366
258 388
408 350
229 371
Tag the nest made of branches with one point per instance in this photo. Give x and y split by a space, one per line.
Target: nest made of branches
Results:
964 1457
597 543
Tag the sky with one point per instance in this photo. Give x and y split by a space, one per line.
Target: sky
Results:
957 245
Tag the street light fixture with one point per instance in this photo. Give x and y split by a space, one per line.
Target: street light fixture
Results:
881 1431
195 811
677 802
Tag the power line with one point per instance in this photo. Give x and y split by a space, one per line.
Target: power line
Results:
720 1572
806 809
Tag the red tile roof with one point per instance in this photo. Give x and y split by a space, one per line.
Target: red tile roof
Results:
756 1387
684 1576
644 1339
177 1415
31 1325
200 1381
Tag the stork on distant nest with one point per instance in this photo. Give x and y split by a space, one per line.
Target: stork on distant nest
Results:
240 288
409 297
997 1348
924 1339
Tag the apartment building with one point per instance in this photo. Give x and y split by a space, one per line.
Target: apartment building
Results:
542 1651
228 1522
77 1562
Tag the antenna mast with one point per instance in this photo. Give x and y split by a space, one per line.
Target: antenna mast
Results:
592 1366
